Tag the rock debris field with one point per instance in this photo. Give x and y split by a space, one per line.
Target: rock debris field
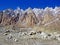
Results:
28 37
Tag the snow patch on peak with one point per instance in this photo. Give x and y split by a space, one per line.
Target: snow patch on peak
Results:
38 11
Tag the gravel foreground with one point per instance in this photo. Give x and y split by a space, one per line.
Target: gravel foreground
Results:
14 37
28 42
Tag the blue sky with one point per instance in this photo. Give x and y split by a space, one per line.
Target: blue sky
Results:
4 4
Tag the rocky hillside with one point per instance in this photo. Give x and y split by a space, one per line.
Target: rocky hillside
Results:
47 18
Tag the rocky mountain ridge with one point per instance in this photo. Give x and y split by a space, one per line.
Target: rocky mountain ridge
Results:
48 18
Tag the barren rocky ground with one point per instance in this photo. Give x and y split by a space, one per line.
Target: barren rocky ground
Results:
26 37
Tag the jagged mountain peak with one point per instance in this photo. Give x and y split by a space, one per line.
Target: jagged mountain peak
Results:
29 10
30 17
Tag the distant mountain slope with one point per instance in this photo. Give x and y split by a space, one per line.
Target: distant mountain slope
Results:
48 18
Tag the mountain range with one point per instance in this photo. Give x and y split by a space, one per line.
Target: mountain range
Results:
47 18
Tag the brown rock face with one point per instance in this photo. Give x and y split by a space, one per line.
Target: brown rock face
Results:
28 20
47 18
31 19
5 19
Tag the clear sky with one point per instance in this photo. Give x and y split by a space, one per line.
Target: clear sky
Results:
4 4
